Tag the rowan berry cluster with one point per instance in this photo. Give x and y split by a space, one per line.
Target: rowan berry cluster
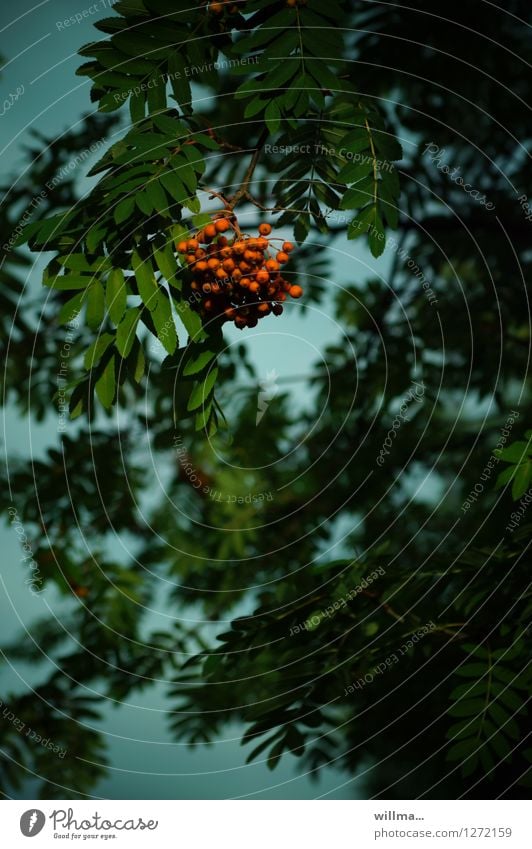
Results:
237 278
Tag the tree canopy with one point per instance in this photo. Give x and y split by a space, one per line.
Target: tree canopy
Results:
376 130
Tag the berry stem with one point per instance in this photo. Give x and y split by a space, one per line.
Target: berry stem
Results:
241 193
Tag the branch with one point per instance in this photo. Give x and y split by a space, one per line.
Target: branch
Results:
242 191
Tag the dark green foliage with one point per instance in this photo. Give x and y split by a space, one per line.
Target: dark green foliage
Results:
364 534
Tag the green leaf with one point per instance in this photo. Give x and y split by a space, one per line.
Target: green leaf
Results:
126 332
174 186
387 145
157 197
272 117
353 172
275 754
471 670
462 750
201 392
361 224
178 80
106 385
71 309
166 262
376 236
137 106
124 209
95 305
164 323
95 352
64 282
522 479
198 359
146 281
140 365
359 195
467 707
514 453
505 476
116 295
190 319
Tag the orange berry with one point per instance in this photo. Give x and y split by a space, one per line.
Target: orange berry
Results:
192 245
239 247
264 308
272 265
222 224
228 264
236 275
262 243
296 291
230 313
182 247
201 266
282 257
254 287
210 231
213 263
263 276
216 8
265 229
245 282
222 242
220 274
244 266
287 247
249 255
191 258
206 288
208 305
